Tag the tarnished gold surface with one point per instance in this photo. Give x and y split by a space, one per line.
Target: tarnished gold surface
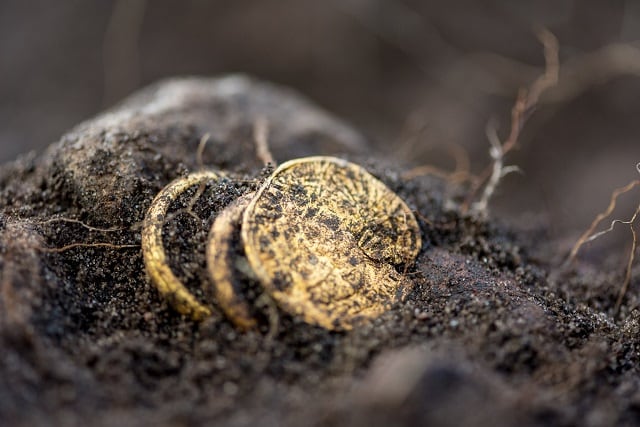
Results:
223 257
324 236
155 258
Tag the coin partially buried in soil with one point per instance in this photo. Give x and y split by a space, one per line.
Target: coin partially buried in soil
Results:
225 262
155 257
325 238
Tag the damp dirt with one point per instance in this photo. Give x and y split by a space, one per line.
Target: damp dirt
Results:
491 333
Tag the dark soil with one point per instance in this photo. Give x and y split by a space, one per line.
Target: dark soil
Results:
493 333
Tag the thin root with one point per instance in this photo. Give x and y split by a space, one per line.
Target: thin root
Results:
86 245
632 255
460 174
525 103
199 192
83 245
200 151
76 221
261 138
589 235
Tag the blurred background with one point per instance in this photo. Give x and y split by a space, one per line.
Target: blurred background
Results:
416 77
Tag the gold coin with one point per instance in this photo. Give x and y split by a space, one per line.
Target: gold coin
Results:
155 258
226 262
324 237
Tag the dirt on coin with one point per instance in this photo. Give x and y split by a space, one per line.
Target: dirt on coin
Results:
230 275
325 238
491 333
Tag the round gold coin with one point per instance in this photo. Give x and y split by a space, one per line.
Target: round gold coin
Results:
325 237
225 262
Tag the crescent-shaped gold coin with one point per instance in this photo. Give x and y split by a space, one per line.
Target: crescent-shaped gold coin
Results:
155 258
224 252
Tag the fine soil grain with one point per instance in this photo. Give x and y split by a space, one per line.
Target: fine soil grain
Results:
491 333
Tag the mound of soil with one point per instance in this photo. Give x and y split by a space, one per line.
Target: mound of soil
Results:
491 334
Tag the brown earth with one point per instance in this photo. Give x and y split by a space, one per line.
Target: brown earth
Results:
493 333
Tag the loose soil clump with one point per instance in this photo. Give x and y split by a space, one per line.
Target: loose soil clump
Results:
491 332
